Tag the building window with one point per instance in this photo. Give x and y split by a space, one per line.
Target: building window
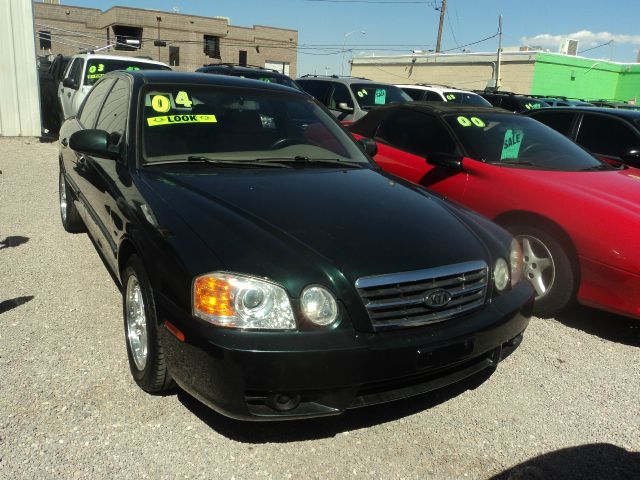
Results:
242 58
127 38
212 46
45 39
174 56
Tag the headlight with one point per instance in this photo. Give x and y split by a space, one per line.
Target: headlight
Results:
501 274
515 258
239 301
319 306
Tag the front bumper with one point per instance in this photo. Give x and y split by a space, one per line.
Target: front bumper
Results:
246 375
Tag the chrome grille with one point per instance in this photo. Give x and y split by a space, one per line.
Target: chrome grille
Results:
399 300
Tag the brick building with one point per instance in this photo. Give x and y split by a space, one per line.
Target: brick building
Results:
186 41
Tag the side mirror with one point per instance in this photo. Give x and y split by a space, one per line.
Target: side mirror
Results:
369 145
69 83
631 157
95 143
446 160
344 107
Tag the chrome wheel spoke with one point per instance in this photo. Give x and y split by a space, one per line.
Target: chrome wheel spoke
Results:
539 267
63 197
136 323
538 285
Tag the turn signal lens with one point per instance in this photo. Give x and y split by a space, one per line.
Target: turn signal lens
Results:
241 301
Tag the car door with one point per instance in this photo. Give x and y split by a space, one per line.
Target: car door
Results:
406 139
318 89
607 136
68 92
108 176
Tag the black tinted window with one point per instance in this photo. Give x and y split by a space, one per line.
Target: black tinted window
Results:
113 116
559 121
606 135
414 93
433 97
93 103
416 133
99 67
317 89
340 94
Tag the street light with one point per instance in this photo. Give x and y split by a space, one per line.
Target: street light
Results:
344 44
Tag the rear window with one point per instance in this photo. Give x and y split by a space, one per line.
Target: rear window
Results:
371 95
267 78
99 67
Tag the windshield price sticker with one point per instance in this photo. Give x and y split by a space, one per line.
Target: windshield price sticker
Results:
183 99
176 119
466 122
131 69
381 96
451 96
160 103
363 93
532 106
511 145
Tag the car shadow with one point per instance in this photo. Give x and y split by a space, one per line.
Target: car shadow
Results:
327 427
605 325
7 305
585 462
14 241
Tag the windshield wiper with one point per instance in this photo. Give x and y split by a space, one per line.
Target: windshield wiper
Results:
600 167
220 163
304 161
513 162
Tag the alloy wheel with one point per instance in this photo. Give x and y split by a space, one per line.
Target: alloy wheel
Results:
136 323
539 267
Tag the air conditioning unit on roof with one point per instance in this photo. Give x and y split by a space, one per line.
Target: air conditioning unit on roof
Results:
569 47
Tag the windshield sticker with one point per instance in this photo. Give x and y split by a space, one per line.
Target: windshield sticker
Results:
160 104
265 79
451 96
511 145
92 75
131 69
381 96
532 106
173 119
466 122
183 99
363 93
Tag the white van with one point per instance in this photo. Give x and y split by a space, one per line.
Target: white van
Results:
441 93
84 70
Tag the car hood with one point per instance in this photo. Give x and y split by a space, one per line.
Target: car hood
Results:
362 221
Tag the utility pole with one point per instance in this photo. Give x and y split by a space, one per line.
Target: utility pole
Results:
497 87
443 7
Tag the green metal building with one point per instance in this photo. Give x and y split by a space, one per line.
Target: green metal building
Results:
526 72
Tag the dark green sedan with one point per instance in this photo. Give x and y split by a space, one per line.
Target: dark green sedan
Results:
267 266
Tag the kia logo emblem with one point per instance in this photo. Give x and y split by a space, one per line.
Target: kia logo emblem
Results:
437 298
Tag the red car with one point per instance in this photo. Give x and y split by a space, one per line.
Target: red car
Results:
576 217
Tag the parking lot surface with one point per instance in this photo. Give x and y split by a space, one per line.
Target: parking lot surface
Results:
564 405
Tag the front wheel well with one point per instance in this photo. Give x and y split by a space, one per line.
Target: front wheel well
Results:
508 219
125 252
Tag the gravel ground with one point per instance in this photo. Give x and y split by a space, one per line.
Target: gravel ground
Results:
564 405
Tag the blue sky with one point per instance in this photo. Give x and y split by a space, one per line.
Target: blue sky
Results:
412 25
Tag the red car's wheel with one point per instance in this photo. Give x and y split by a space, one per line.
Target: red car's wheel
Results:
547 267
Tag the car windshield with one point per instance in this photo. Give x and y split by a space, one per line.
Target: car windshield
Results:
520 141
371 95
533 104
466 98
238 125
99 67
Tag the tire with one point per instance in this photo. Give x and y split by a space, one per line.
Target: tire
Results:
146 355
71 220
548 267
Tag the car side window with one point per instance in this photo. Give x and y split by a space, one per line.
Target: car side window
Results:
76 74
92 104
415 93
340 94
113 116
416 133
433 97
559 121
606 135
317 89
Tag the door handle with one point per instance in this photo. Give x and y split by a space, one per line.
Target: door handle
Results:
64 142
